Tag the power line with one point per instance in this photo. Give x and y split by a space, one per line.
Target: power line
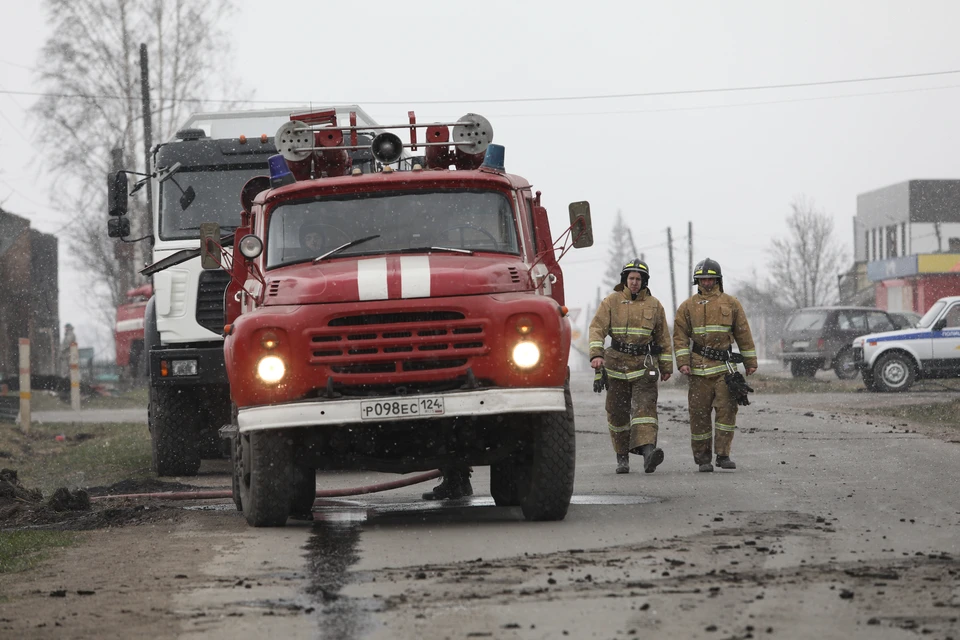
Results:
647 94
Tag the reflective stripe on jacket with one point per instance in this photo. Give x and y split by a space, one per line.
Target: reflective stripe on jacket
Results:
714 320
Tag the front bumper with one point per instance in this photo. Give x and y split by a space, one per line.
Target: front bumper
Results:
209 366
485 402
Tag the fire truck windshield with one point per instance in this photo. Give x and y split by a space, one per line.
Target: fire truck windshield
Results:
217 200
463 220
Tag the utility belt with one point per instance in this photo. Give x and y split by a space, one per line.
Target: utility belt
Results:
717 354
637 349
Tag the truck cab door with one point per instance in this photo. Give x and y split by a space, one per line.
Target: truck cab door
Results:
946 340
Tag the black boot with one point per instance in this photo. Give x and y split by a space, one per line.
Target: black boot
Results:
724 462
455 484
623 463
706 466
652 457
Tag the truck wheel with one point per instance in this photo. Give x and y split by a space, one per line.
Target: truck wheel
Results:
844 365
304 491
171 416
894 372
266 483
549 471
803 369
505 483
216 412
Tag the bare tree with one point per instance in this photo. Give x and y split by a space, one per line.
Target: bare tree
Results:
90 67
621 244
804 265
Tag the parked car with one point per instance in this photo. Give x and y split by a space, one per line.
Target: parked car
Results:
905 319
894 360
821 337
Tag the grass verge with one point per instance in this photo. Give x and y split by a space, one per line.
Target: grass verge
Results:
87 455
129 399
22 550
772 384
940 414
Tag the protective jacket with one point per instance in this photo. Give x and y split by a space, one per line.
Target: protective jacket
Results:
633 322
714 320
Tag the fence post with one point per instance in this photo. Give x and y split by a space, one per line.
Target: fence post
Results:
25 385
74 377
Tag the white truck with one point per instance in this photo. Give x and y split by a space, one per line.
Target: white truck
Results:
894 360
197 178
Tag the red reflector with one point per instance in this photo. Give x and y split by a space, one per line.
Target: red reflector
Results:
872 343
820 344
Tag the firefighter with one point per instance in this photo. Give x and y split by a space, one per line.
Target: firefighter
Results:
639 355
705 328
455 484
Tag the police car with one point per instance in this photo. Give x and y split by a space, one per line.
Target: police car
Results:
894 360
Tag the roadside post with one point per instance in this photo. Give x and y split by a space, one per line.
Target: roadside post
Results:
74 377
25 385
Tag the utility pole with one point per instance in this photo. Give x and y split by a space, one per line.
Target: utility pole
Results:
633 247
147 225
673 280
690 256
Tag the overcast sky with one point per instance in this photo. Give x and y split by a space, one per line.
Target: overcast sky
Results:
729 162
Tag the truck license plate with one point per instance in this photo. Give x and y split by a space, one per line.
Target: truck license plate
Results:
802 344
401 408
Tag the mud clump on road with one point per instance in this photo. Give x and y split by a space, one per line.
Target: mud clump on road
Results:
21 507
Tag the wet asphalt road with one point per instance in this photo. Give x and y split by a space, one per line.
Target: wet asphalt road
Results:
790 544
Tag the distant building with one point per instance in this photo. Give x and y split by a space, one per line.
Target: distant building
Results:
907 236
29 295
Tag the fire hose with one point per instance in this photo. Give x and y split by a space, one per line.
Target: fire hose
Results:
321 493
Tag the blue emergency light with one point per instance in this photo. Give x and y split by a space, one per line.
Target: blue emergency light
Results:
279 172
493 158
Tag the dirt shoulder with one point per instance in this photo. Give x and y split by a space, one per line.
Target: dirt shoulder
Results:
118 583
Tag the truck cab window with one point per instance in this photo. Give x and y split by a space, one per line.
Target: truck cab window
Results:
217 200
479 221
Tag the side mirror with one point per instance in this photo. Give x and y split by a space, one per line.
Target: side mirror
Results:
118 227
580 224
940 324
187 198
117 194
210 245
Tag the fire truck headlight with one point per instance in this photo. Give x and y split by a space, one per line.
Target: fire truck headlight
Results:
251 246
526 354
271 369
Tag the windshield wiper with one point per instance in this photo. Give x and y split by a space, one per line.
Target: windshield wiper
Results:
422 249
352 243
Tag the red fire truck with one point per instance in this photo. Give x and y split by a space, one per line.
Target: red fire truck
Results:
404 318
128 331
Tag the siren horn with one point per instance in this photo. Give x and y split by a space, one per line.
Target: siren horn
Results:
387 147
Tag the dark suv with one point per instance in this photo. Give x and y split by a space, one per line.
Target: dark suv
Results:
820 338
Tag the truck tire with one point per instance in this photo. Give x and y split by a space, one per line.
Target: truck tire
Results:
845 366
803 368
549 471
236 466
304 491
267 482
505 481
216 412
172 417
894 372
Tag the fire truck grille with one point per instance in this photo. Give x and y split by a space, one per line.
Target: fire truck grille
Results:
210 290
398 342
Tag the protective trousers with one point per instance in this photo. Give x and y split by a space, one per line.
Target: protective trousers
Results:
632 412
706 394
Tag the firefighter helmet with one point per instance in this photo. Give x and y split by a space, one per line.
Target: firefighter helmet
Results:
636 265
708 269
